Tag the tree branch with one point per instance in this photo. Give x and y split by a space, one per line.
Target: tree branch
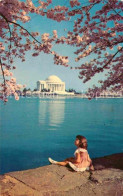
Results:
9 32
8 21
2 72
113 8
101 68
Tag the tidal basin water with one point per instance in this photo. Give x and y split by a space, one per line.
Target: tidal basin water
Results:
34 129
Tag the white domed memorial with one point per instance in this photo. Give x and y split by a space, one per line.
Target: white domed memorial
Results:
52 83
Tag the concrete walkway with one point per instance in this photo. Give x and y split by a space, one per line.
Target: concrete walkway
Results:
53 180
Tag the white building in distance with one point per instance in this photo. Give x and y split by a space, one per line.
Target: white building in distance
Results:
52 84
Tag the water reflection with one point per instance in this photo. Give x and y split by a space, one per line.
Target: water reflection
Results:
51 112
42 111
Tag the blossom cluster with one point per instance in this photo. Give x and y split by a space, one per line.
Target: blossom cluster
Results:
61 60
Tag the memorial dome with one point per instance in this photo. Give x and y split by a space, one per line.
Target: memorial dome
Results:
53 79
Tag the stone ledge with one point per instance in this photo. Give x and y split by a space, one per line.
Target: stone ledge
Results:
54 180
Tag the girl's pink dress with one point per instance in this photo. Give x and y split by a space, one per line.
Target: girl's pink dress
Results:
85 160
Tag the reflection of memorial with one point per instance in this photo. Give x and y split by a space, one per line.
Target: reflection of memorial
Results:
51 112
42 108
56 111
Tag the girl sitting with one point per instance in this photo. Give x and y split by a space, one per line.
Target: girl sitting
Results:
81 161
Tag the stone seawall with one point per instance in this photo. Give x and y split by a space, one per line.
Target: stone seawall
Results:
54 180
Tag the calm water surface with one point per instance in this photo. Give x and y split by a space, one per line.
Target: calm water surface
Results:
33 129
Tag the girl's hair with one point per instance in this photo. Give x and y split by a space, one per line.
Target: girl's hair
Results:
82 141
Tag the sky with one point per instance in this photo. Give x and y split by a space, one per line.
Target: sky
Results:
42 66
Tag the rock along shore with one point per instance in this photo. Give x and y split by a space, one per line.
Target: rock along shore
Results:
54 180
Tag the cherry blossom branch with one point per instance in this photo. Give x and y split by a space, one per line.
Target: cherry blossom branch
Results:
115 80
93 72
25 30
9 33
101 68
2 72
112 8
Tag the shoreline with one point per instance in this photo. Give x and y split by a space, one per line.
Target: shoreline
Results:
58 97
54 180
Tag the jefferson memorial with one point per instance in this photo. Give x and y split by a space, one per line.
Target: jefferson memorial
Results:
53 84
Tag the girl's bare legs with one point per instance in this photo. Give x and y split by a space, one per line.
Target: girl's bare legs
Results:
63 163
91 167
66 161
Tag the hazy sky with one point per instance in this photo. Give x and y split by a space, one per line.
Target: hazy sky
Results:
39 68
